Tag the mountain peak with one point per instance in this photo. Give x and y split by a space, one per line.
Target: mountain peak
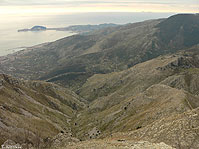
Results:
180 29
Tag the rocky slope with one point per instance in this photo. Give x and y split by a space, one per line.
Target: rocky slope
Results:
117 144
153 104
32 111
140 96
179 131
175 131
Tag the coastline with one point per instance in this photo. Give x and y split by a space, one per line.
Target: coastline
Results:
15 50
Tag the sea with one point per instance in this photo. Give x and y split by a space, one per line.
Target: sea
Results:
12 41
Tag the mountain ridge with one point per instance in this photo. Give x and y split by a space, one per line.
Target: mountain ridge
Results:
132 83
78 57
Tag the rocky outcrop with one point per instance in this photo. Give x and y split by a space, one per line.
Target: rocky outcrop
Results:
63 139
94 133
180 63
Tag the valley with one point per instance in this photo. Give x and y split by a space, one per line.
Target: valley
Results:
128 86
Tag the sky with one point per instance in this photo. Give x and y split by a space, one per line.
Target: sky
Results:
70 6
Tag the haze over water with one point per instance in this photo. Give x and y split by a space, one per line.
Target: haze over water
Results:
10 39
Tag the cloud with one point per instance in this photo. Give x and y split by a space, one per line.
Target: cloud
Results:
98 5
88 2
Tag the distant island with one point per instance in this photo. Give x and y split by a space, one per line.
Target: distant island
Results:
74 28
35 28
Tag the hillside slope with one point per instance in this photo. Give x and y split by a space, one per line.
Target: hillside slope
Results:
176 131
32 110
155 101
137 97
70 61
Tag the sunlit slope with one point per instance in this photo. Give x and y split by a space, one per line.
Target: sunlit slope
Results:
136 97
39 108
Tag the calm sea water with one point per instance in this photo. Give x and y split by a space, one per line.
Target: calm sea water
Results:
11 40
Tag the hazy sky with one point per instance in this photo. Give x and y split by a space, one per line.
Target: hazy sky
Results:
59 6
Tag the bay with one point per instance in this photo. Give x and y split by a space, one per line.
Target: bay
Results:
11 40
